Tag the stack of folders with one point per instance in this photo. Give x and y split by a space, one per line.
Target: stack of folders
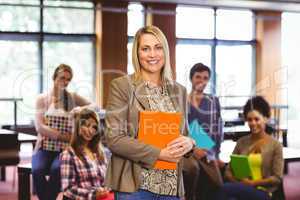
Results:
246 166
159 129
200 136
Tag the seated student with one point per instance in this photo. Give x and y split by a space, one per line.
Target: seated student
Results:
54 131
256 113
83 164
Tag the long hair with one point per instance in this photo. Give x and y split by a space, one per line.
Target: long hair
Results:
67 100
77 141
167 71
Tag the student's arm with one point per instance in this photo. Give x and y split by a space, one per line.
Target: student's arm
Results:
69 184
40 124
84 103
219 124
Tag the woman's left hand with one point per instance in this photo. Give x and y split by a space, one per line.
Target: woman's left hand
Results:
247 181
181 146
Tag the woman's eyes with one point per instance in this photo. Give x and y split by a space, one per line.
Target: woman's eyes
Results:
148 48
145 49
95 127
159 47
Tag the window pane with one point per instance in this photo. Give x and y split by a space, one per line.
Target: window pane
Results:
290 61
135 18
80 57
68 3
19 74
234 73
234 24
203 26
27 2
130 69
18 18
186 56
67 20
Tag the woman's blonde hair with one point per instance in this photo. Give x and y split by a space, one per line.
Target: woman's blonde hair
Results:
77 141
166 71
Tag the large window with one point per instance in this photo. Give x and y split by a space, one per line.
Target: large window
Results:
34 39
290 66
223 39
136 20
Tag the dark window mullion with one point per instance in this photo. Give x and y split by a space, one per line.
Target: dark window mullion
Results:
213 89
41 39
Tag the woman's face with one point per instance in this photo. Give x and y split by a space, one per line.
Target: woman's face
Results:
151 54
62 79
256 122
88 129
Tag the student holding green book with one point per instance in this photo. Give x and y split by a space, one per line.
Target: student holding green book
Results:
256 113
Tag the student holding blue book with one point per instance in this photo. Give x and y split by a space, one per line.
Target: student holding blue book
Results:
205 121
256 113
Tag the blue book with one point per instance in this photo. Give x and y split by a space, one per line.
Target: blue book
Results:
202 139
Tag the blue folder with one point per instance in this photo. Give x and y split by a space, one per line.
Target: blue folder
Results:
202 139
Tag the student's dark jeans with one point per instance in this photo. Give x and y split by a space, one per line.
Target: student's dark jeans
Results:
143 195
46 163
239 191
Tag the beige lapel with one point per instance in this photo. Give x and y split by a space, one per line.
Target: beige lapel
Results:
174 95
140 93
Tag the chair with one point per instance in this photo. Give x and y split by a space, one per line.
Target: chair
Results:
9 151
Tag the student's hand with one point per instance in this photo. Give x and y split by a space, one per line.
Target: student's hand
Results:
75 110
180 146
102 192
247 181
66 137
220 163
199 153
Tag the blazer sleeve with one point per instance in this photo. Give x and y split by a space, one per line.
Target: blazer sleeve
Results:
116 131
277 164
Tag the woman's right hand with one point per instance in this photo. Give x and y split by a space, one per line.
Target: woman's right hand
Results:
101 192
167 155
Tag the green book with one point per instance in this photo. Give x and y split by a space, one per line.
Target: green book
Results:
240 166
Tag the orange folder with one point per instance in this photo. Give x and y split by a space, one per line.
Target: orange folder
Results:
159 129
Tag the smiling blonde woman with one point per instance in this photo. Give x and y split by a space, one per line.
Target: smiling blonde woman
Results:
151 87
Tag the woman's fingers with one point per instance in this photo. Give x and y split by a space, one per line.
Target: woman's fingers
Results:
180 144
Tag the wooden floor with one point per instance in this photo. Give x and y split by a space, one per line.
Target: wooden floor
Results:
9 188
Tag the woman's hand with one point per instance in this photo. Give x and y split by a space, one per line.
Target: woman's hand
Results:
247 181
166 155
176 149
181 146
102 192
66 137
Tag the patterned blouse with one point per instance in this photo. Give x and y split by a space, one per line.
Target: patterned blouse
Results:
60 120
80 179
162 182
